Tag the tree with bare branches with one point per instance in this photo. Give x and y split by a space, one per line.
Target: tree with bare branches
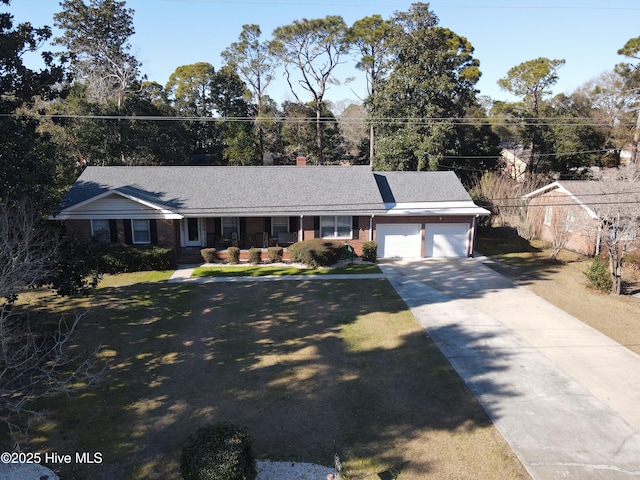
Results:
619 219
37 355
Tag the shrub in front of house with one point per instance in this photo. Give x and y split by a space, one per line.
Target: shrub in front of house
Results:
218 452
255 256
208 255
275 254
317 252
233 255
370 251
116 258
599 276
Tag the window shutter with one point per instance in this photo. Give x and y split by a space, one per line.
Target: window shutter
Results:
153 227
354 228
293 224
128 235
267 225
113 230
316 227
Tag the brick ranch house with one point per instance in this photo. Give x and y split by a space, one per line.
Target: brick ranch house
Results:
574 209
409 214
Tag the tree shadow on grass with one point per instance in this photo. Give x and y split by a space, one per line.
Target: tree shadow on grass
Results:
300 365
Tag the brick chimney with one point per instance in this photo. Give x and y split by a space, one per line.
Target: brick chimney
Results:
301 160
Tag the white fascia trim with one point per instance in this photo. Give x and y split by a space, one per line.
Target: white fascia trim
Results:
68 213
443 209
558 186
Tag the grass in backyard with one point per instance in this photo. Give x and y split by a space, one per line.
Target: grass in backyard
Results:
300 366
564 284
261 271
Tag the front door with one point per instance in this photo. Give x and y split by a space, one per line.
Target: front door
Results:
192 234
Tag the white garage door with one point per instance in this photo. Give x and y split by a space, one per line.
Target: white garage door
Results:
399 240
446 240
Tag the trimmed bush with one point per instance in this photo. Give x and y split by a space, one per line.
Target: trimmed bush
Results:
317 252
370 251
599 276
218 452
255 256
116 258
208 255
275 254
233 255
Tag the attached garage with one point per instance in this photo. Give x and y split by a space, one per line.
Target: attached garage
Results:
399 240
446 240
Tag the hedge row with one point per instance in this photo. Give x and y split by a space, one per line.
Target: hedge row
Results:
317 252
116 258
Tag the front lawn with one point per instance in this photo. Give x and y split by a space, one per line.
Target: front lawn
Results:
265 270
302 366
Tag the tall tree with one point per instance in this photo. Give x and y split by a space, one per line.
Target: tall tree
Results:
431 82
611 108
255 65
532 81
27 168
369 36
312 49
189 89
299 135
96 37
631 74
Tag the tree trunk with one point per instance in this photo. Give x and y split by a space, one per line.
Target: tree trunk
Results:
371 146
319 139
634 144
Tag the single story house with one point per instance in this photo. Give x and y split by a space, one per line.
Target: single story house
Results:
573 212
409 214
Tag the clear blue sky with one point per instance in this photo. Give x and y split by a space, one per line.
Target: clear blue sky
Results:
504 33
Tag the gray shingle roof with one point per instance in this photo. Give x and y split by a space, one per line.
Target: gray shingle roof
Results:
409 187
236 190
599 195
267 190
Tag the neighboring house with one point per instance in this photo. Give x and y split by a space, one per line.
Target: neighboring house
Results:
572 212
515 162
409 214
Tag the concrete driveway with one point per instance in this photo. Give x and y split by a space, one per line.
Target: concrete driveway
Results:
565 397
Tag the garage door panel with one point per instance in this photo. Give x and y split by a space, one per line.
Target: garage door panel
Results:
399 240
446 240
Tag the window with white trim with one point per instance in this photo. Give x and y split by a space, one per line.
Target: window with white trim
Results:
100 231
141 231
229 227
548 215
335 226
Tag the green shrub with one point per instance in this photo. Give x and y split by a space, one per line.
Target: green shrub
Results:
116 258
370 251
275 254
233 255
218 452
317 252
255 256
208 255
599 276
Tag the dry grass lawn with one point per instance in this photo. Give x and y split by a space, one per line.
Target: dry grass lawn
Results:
300 364
564 284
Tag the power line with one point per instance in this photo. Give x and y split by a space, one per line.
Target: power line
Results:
561 121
